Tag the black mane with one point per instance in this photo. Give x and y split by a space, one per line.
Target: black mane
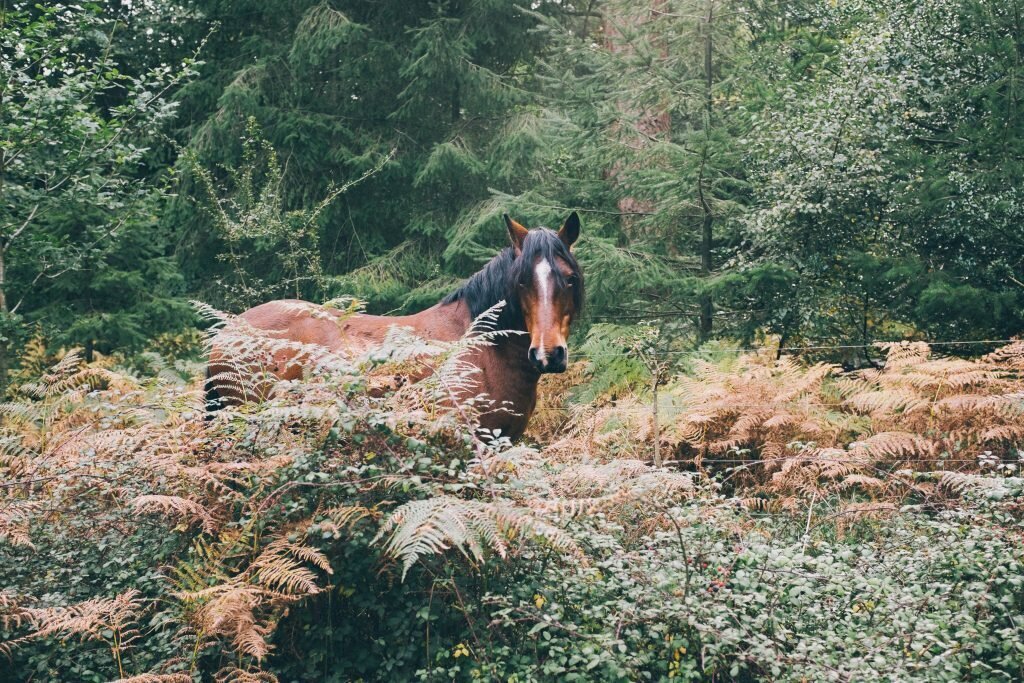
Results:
500 278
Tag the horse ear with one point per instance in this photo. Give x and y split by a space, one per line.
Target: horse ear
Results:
517 233
570 231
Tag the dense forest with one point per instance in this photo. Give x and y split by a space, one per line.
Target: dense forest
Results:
820 173
788 447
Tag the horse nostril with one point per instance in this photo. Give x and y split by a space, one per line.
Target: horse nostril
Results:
557 359
535 358
558 355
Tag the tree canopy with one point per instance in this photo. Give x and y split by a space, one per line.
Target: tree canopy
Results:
816 173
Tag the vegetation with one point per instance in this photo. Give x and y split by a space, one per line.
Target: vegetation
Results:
809 530
788 448
824 173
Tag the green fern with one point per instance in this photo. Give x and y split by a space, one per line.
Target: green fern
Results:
423 528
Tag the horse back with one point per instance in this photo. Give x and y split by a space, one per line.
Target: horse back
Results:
311 324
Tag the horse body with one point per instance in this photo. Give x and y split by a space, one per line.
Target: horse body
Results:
535 277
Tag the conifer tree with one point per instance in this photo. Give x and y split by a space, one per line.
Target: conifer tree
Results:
650 100
335 86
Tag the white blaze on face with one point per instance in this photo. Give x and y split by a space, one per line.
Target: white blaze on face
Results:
542 271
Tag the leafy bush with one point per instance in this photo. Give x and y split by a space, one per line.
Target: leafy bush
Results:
331 534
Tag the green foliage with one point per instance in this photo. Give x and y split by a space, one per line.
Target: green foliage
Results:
766 604
881 177
834 175
272 253
615 368
820 173
330 534
336 85
79 252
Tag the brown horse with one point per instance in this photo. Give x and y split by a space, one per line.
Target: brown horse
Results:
540 282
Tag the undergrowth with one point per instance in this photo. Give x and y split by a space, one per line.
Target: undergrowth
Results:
811 525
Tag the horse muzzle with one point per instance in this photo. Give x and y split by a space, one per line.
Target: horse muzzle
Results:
552 361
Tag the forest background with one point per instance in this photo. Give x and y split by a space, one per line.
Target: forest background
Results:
814 173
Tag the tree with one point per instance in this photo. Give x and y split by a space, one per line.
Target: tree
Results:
73 132
658 112
887 167
335 86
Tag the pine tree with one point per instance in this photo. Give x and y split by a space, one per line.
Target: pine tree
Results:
650 104
336 86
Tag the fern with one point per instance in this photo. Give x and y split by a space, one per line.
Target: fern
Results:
423 528
188 510
111 620
157 678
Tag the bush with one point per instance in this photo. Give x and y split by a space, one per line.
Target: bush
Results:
330 534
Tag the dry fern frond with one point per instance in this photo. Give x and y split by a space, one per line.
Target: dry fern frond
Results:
887 401
90 620
894 445
1010 356
596 479
552 418
233 674
280 568
572 507
16 517
904 354
245 607
611 487
1009 406
851 513
956 484
862 481
342 517
1010 433
13 615
189 511
757 405
157 678
229 610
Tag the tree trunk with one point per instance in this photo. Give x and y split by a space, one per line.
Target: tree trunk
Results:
4 343
654 416
456 104
707 308
650 124
3 279
706 323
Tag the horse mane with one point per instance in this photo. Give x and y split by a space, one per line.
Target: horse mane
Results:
500 278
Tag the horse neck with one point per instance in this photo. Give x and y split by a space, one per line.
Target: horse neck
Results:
511 352
508 378
508 353
506 364
506 375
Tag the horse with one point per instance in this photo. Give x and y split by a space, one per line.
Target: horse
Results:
537 277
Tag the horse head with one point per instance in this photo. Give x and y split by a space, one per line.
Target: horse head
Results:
548 286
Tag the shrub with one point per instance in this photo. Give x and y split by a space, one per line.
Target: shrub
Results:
334 534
